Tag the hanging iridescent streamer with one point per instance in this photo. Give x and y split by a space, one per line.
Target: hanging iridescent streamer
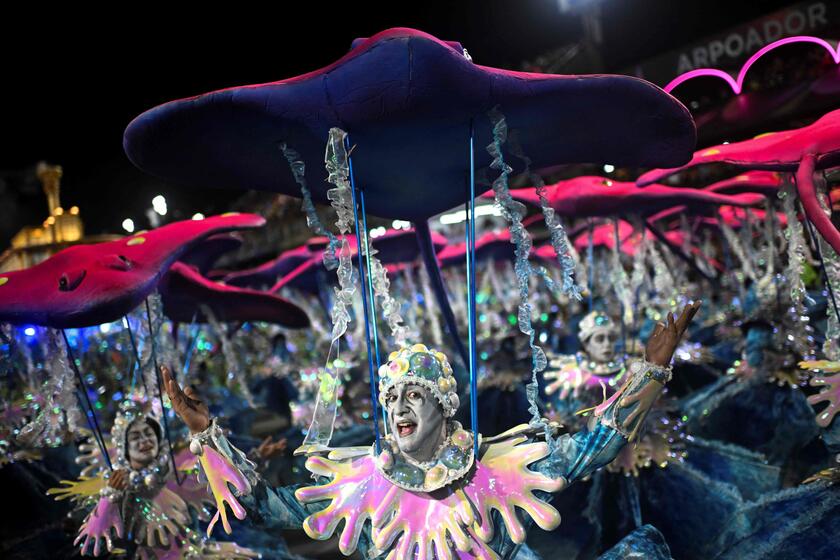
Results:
737 247
796 246
90 412
513 212
770 229
234 373
379 286
831 270
59 413
341 198
165 420
557 233
620 281
748 234
663 281
390 306
163 343
298 168
639 273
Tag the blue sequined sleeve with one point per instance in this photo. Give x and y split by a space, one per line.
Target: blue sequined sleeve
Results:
575 456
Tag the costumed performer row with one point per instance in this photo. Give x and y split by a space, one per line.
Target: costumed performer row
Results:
425 493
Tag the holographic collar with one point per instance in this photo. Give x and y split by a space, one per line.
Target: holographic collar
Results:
458 524
453 460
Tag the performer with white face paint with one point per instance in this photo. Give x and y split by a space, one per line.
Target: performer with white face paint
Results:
599 335
579 381
140 506
426 493
142 443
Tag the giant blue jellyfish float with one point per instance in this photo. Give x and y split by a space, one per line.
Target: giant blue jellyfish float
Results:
404 117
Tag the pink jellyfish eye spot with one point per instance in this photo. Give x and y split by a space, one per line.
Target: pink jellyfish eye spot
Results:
70 281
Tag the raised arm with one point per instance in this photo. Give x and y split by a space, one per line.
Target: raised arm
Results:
618 420
231 477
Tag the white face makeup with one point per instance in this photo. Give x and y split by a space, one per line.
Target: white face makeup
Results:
600 346
416 421
141 444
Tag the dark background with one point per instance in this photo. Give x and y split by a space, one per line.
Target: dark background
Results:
72 81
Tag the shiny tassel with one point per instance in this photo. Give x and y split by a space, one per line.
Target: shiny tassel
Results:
312 220
513 212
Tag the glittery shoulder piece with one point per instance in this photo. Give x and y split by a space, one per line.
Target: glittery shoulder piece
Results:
415 524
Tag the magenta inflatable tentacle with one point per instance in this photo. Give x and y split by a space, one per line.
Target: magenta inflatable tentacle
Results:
808 197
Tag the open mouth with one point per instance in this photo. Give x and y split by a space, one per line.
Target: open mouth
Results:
405 429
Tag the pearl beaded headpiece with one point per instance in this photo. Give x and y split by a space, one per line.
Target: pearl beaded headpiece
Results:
419 365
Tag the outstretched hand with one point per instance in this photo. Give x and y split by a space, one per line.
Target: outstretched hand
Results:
187 405
666 336
659 350
268 449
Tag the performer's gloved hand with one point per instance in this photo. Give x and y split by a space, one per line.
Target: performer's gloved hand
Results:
187 405
119 479
659 350
666 337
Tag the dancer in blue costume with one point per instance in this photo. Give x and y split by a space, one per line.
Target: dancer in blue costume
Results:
427 466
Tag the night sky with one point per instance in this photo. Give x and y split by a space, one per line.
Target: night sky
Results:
73 81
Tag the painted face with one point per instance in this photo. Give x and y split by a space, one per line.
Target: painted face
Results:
416 420
142 444
600 346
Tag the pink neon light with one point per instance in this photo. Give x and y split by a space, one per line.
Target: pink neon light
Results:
738 83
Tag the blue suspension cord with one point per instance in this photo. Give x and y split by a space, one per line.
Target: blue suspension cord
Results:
590 262
470 227
829 287
136 360
160 395
191 349
189 337
373 396
620 303
90 413
370 290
